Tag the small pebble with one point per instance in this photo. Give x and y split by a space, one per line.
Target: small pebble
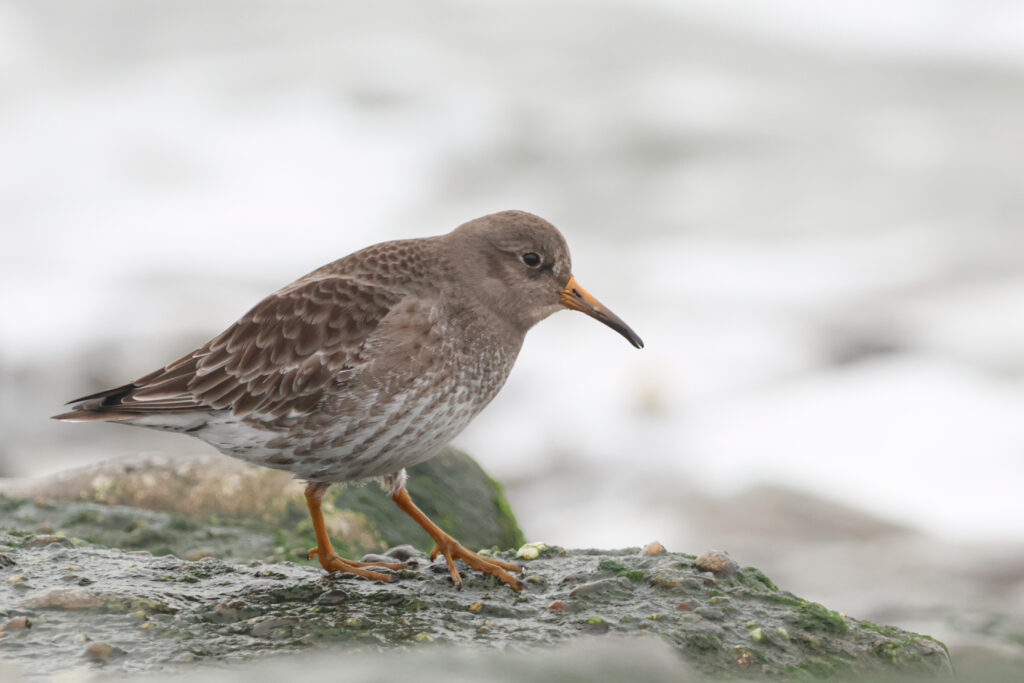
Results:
273 627
64 598
44 540
228 610
199 553
601 587
528 553
404 553
80 638
717 562
476 606
684 606
757 634
744 657
19 622
333 597
653 548
423 638
531 551
97 652
557 605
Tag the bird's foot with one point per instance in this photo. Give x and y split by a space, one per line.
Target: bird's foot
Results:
453 550
333 562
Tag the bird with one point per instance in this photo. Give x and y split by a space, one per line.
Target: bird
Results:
367 366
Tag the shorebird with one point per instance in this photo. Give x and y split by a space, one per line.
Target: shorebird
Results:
367 366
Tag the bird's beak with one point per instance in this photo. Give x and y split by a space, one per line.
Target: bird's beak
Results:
579 299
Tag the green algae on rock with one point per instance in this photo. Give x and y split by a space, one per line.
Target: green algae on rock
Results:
161 612
215 505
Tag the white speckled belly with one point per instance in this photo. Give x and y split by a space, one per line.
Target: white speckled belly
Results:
371 437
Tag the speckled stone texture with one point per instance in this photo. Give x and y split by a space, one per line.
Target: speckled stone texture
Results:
130 611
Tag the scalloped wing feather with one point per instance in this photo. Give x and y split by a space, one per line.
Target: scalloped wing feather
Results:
278 360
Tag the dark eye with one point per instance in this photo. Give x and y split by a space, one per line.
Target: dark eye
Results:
531 259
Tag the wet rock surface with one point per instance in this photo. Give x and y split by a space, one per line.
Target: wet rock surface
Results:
131 611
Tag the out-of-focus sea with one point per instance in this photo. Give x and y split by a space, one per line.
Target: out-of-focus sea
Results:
812 214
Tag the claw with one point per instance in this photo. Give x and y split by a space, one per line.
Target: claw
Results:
334 563
453 550
496 568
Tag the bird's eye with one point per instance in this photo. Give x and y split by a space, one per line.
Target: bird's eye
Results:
531 259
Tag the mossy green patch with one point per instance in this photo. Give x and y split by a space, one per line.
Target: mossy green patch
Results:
453 491
506 518
613 566
818 618
8 504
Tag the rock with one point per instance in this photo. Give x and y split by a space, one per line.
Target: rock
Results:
19 622
200 553
213 505
214 609
618 585
718 563
44 540
404 553
97 652
531 551
63 598
278 627
333 597
100 652
653 548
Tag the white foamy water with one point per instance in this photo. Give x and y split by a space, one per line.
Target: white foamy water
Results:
815 226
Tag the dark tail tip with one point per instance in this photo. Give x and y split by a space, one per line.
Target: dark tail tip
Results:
111 397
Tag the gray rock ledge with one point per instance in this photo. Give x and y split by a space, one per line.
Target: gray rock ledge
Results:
129 611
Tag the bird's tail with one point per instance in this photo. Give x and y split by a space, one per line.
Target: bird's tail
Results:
101 406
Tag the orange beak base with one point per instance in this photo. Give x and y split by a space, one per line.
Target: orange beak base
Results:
579 299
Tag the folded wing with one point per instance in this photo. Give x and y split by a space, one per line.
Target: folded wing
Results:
278 360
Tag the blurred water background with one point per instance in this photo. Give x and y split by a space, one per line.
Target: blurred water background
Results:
810 212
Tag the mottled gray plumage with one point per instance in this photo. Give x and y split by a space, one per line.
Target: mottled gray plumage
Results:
369 364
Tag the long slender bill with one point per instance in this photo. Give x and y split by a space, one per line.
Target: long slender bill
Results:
579 299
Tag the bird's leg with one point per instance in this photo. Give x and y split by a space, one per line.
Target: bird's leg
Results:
453 550
329 559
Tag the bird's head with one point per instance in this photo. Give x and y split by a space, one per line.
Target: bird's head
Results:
520 265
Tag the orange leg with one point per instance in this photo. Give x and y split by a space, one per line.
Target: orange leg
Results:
453 550
329 559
